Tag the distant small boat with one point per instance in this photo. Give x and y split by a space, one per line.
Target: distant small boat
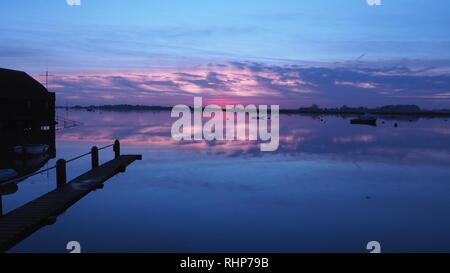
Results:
33 149
7 174
366 119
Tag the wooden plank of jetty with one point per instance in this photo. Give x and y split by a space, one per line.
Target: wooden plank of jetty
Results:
20 223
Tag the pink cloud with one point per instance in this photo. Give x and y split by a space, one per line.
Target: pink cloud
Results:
290 86
365 85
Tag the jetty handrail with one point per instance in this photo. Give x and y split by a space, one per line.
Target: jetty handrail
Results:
12 180
105 147
60 165
78 157
88 153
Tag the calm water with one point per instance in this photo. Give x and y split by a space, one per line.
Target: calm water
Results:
330 187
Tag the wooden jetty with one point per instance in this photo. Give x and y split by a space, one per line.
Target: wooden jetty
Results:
20 223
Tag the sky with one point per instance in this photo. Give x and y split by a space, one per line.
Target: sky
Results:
287 52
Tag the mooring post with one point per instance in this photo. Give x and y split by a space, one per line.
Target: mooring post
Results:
116 149
94 157
61 173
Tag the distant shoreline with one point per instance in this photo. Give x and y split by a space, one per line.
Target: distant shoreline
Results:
388 110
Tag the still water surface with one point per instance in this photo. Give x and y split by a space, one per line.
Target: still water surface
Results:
330 187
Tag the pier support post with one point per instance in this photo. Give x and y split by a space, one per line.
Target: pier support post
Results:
116 149
61 178
94 157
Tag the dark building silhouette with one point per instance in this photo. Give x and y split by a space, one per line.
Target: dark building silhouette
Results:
27 117
27 110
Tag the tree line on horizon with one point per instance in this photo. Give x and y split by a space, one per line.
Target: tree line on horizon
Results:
386 109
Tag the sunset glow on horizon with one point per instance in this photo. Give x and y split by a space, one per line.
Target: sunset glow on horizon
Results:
292 53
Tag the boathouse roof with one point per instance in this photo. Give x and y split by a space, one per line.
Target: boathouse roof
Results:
19 85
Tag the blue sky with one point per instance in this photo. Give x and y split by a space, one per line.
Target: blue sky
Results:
123 37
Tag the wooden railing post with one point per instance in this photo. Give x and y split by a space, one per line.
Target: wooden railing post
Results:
61 178
116 149
94 157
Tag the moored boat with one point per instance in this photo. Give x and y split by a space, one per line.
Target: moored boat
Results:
366 119
30 162
33 149
7 174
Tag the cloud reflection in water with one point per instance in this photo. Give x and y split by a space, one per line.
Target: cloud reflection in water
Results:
423 141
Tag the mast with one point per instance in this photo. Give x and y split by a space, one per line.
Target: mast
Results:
46 78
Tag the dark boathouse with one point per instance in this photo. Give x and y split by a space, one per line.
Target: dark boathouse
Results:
27 111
